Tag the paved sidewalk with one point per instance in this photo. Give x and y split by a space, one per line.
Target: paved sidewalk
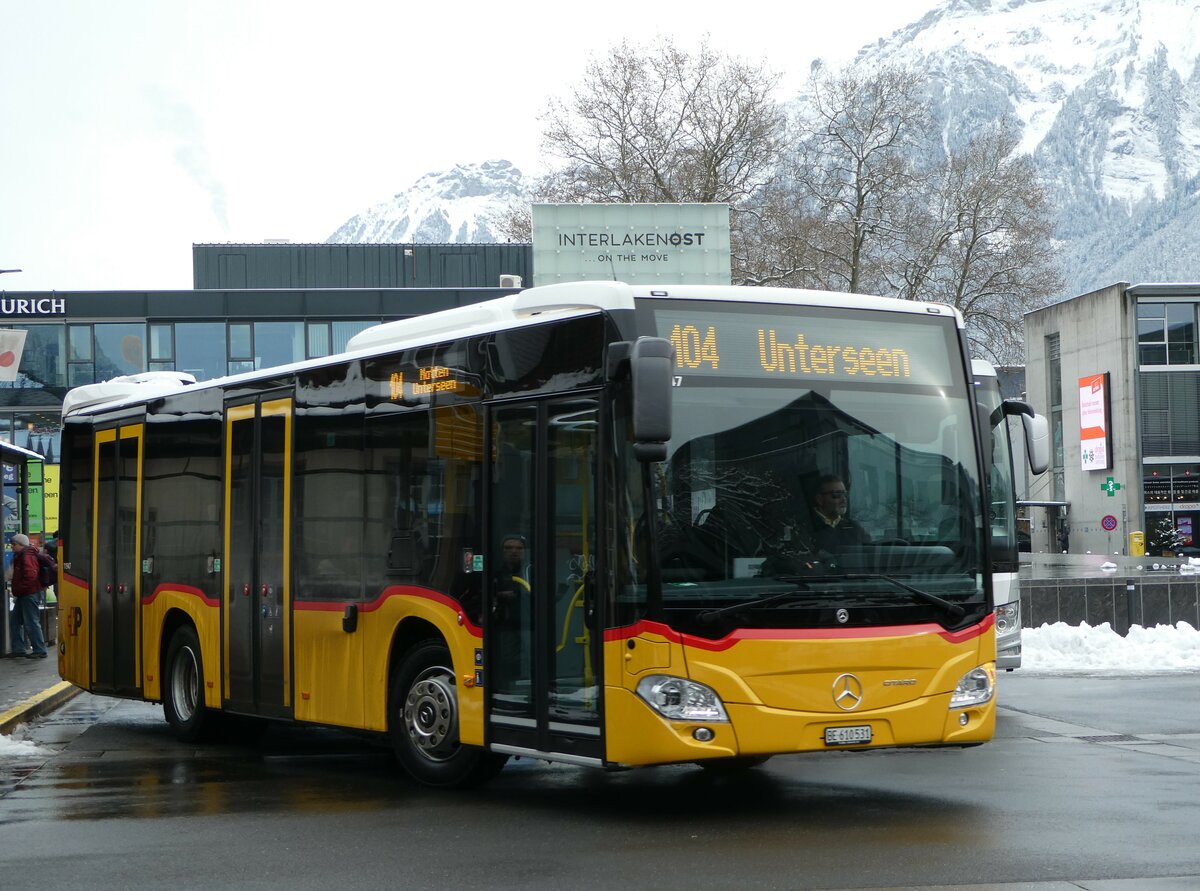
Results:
31 687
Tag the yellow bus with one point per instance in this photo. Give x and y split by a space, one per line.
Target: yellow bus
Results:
574 524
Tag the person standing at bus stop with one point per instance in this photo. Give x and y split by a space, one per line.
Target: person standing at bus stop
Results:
27 590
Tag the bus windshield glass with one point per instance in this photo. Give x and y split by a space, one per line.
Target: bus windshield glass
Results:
823 451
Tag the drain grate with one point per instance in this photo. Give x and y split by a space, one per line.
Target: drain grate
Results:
1114 737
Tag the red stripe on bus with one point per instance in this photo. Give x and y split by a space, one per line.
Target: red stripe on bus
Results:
782 634
393 591
182 589
78 582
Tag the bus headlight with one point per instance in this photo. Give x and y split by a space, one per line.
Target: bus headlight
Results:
680 699
1008 618
974 688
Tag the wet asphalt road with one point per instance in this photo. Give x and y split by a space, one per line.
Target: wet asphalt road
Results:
1089 780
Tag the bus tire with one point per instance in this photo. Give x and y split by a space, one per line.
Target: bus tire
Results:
183 686
423 722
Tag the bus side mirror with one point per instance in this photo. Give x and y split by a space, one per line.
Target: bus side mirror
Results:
1037 442
651 361
1037 434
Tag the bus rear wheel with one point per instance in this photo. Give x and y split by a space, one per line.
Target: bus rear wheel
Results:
423 722
183 686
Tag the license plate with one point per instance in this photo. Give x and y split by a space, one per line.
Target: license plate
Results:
848 736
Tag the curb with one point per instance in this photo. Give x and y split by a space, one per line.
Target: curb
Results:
38 705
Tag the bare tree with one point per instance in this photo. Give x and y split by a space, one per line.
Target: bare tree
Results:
980 237
854 160
656 123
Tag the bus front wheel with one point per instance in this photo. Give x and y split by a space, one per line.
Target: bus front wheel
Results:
183 686
423 722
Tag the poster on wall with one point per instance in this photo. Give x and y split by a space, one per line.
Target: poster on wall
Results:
1095 452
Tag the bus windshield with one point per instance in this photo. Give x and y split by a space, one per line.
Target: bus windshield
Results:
822 451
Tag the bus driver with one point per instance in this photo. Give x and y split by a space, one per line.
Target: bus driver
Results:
832 528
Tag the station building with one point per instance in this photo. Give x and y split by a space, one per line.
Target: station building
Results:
1117 373
252 306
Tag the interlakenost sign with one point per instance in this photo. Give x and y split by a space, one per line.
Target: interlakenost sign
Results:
642 244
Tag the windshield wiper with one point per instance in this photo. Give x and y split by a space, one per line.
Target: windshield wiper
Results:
954 609
708 616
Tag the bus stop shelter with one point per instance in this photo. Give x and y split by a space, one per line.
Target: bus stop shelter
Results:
24 511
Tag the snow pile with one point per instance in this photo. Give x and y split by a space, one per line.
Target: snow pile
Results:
1062 648
13 747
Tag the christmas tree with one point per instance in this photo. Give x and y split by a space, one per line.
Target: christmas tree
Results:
1164 537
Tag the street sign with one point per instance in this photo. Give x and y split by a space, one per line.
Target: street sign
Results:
1109 522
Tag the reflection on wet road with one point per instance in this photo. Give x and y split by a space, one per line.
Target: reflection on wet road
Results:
108 791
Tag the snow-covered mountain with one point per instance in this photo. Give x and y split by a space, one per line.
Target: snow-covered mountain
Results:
1108 95
447 207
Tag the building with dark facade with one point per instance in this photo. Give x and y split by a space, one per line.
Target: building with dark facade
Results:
253 306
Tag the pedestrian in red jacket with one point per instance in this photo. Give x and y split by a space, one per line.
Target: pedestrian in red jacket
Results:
27 595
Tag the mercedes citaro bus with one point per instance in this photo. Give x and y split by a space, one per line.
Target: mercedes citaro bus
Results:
573 524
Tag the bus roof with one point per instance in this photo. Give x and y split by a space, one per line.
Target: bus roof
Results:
527 307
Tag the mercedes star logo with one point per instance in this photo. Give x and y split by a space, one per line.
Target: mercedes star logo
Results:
847 692
843 616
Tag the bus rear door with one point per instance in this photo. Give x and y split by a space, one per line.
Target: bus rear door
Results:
116 546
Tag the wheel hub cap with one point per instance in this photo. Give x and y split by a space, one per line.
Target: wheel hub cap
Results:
431 715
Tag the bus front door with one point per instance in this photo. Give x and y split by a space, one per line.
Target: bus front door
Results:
116 588
257 596
541 652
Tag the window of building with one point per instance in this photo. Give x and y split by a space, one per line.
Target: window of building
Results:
318 339
1166 333
120 349
343 331
43 364
80 369
200 349
241 347
278 343
79 343
162 347
328 338
39 432
1167 484
1054 394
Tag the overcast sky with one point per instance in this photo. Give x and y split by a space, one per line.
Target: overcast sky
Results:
130 129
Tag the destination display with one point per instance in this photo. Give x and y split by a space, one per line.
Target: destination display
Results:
405 383
763 342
